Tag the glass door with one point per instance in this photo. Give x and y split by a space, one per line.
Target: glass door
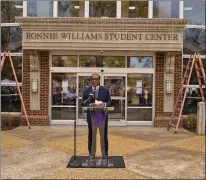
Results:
116 83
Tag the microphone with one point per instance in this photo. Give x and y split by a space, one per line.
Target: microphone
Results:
90 96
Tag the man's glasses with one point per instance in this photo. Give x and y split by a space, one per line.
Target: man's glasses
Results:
94 79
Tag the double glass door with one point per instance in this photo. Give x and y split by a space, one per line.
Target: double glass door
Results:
66 97
116 85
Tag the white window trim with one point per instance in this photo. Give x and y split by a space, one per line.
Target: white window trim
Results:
9 24
150 9
11 84
195 26
24 8
119 10
86 9
55 8
188 56
14 54
181 11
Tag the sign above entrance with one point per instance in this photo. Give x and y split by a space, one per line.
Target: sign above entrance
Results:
101 36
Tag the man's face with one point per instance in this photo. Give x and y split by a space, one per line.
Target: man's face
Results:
95 80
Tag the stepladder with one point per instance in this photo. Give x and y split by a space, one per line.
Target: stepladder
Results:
7 56
194 64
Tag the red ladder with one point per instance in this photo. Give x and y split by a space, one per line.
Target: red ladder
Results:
17 84
193 61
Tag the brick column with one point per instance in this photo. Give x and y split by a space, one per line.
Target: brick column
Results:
37 117
161 118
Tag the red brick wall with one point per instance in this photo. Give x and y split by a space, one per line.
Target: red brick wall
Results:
161 118
36 117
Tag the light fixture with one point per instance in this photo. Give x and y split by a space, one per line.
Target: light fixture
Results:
76 7
132 7
18 6
188 8
169 86
34 85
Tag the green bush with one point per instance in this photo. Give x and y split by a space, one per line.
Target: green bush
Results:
6 121
190 123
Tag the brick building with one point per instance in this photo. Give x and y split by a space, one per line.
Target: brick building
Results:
139 59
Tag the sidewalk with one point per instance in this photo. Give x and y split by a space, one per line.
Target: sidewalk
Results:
149 153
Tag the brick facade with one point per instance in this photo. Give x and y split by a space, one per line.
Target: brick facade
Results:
161 118
36 117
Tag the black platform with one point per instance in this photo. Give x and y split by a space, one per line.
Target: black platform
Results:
86 162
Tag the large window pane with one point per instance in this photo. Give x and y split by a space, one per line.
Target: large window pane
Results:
10 9
139 114
139 62
134 9
40 8
63 113
190 105
139 89
195 10
7 75
10 100
102 61
64 61
193 79
11 39
194 41
64 89
166 9
71 8
102 8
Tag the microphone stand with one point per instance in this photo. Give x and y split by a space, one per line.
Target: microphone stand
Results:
75 163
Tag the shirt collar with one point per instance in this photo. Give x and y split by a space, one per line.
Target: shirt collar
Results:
97 88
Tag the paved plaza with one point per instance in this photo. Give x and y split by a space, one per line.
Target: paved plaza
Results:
149 153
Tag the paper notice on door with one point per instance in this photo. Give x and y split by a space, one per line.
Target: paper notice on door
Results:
65 86
139 87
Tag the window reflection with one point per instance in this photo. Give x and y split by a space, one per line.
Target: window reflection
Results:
190 105
11 39
7 75
64 89
139 114
195 10
71 8
133 9
193 79
194 41
84 82
63 113
64 61
102 8
166 9
40 8
10 9
102 61
10 100
116 85
139 62
139 89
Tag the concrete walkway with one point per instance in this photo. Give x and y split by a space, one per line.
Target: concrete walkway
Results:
149 153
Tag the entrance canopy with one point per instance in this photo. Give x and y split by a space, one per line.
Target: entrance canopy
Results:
102 33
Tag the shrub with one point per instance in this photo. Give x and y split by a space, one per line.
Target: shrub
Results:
6 121
190 123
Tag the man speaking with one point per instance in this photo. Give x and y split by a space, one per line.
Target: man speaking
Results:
90 95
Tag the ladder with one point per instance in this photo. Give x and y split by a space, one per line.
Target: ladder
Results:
7 54
193 62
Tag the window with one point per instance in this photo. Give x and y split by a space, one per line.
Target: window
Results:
194 41
40 8
102 8
7 75
10 9
71 8
134 9
64 61
166 9
102 61
11 39
139 62
10 100
195 10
